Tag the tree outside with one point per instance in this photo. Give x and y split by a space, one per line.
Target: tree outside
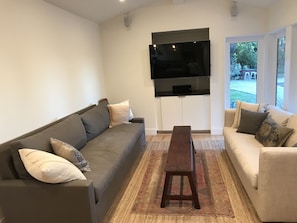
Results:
243 59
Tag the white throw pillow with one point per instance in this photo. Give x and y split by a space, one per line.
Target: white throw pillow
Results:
243 105
70 153
49 168
120 113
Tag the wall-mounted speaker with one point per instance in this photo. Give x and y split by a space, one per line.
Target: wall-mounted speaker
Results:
234 9
127 20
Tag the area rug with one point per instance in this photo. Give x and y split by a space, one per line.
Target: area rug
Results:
212 192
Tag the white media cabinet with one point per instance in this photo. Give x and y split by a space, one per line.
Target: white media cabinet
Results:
193 110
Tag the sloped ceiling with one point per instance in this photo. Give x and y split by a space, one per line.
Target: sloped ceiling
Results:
102 10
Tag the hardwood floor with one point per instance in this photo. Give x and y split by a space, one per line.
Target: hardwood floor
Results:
242 207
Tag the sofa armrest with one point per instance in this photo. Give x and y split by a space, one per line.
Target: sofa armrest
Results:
137 120
229 117
277 180
35 202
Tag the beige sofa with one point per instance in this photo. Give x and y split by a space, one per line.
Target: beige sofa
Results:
268 174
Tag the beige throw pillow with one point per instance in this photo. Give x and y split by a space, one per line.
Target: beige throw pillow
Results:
243 105
119 113
70 153
49 168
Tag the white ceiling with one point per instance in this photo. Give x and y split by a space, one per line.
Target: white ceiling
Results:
102 10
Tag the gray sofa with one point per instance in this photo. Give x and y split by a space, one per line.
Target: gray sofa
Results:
268 173
111 153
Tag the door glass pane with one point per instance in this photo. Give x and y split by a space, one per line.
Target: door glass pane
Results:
243 72
281 48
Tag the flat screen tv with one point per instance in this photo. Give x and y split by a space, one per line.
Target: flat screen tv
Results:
188 59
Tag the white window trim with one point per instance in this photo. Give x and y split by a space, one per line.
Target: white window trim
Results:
266 77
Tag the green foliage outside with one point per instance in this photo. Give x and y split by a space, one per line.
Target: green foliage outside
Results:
242 56
246 54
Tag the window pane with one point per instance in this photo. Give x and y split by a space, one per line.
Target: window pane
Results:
281 48
243 72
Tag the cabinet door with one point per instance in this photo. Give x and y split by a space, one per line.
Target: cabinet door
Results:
196 112
171 111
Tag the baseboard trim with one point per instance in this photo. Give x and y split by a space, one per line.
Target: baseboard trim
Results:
193 131
216 131
150 132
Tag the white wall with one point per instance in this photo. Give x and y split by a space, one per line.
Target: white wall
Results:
126 61
50 60
282 14
49 65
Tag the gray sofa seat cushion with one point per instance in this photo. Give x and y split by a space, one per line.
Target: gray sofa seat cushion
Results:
108 154
41 140
96 120
247 153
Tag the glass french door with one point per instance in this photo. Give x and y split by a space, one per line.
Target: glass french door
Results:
243 72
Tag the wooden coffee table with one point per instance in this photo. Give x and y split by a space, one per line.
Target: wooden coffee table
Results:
181 162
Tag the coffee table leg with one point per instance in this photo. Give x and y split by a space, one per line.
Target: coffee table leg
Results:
165 190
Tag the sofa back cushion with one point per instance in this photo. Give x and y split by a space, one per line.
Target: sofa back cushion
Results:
292 123
96 120
69 130
278 115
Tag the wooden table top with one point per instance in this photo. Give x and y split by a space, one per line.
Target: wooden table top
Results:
180 153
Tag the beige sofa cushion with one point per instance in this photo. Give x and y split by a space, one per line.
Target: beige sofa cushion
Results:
247 152
281 117
292 123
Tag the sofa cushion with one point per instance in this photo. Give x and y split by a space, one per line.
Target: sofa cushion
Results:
109 153
247 152
96 120
41 140
278 115
250 121
49 168
292 123
271 134
243 105
68 152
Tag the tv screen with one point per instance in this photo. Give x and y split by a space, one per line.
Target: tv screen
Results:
188 59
